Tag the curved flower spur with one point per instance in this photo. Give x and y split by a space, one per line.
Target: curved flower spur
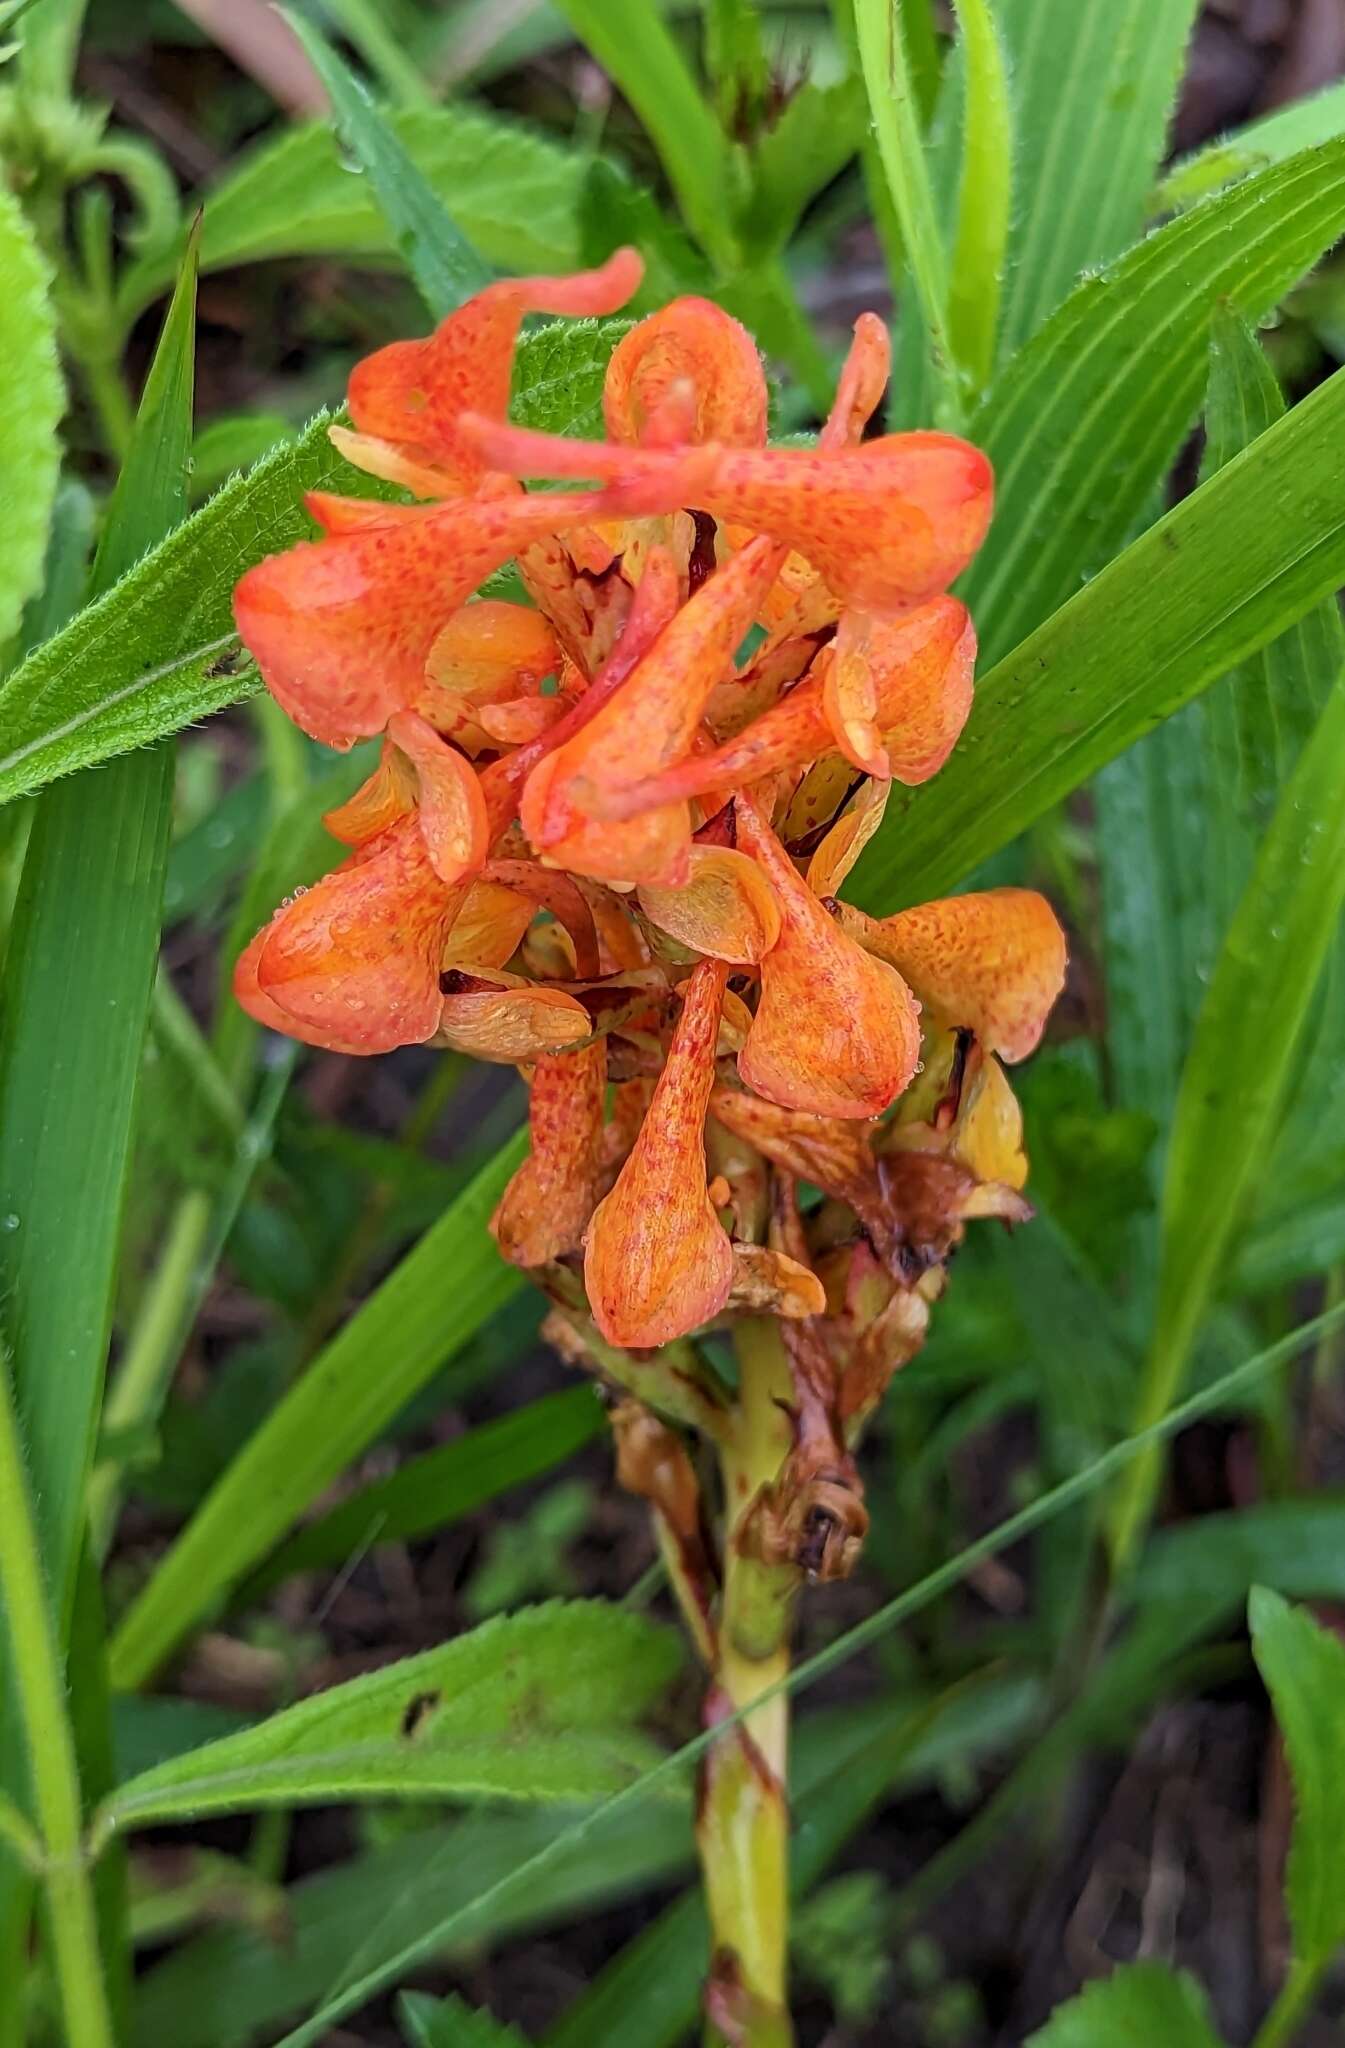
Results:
604 843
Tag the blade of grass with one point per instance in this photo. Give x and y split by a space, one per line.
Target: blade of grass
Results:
438 255
1236 1074
976 273
352 1992
1317 119
39 1690
428 1306
373 36
896 119
86 924
1227 571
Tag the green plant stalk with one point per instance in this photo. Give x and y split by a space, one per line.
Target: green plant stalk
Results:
742 1820
40 1693
1292 2006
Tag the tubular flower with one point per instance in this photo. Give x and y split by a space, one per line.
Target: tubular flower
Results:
607 830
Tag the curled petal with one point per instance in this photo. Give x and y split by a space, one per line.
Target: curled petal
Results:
862 383
508 1023
829 1034
547 1205
490 927
992 961
688 373
392 463
657 1260
989 1128
921 667
652 720
389 794
342 628
847 838
652 848
770 1283
452 810
490 650
353 963
412 392
521 719
833 1153
727 908
558 893
887 524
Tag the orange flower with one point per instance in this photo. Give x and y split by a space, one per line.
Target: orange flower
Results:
651 785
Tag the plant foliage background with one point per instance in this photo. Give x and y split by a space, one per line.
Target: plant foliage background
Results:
281 1455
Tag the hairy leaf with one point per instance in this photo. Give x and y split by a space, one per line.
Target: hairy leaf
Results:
1303 1666
30 453
1267 141
1142 2003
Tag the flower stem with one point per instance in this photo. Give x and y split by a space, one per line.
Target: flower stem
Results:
41 1702
743 1813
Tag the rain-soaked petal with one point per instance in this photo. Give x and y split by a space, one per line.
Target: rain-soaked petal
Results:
507 1019
451 808
688 373
657 1260
546 1206
726 908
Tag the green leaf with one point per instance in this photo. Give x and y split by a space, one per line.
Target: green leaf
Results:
1088 418
1295 1546
30 452
817 133
1094 88
1181 814
429 1306
159 651
1298 126
1136 2007
636 49
86 919
538 1705
451 2023
1240 1064
515 194
445 266
442 1486
1303 1666
896 120
1235 564
976 272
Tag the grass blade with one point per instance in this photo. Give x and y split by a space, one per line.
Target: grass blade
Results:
1223 574
1094 88
1238 1069
442 1292
976 275
1268 141
445 266
896 119
30 452
86 919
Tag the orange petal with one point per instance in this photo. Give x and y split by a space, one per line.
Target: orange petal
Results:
829 1035
727 909
657 1260
547 1205
850 695
487 651
353 963
862 383
520 719
452 810
911 685
562 896
490 927
887 524
847 838
511 1023
389 794
832 1153
412 392
768 1282
992 961
342 628
689 373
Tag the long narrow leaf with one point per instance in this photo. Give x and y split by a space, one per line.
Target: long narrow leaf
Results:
29 451
445 266
1224 573
983 209
1087 419
1268 141
1094 87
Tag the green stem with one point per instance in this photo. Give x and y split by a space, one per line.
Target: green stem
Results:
1291 2007
40 1692
743 1819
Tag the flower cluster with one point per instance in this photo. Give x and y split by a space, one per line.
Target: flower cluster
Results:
606 834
